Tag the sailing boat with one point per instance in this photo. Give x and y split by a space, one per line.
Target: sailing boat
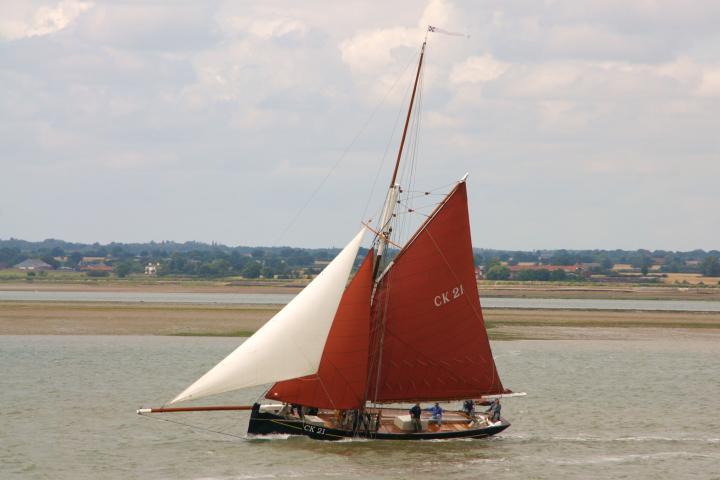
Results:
403 330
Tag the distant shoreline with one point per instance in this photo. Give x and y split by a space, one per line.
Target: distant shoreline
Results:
204 286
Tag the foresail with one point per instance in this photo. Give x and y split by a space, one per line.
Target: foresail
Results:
341 379
291 343
429 340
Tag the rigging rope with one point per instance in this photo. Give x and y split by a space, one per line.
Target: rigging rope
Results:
387 149
342 156
399 225
408 174
195 427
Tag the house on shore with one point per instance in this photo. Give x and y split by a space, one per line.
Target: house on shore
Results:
33 264
94 267
551 268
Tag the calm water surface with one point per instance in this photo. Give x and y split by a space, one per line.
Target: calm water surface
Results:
595 409
150 297
281 299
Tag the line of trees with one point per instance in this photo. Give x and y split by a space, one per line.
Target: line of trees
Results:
494 270
216 260
710 267
602 261
188 259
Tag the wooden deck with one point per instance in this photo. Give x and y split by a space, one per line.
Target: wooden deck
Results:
452 421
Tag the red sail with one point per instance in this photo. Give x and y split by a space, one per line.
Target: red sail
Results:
341 379
429 338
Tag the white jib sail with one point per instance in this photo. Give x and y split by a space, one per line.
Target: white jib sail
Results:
291 343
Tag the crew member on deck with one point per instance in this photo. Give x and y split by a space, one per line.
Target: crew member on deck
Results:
415 413
469 407
437 413
494 410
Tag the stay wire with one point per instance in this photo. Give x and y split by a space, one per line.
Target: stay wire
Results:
424 195
441 187
399 222
387 145
379 318
416 146
404 225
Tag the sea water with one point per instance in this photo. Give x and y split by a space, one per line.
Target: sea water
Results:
594 409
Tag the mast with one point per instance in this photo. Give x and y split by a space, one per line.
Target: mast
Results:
385 229
394 189
407 118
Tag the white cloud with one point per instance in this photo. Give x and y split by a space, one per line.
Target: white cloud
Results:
710 84
597 41
543 100
480 69
11 29
589 81
441 120
373 51
370 51
25 21
152 27
548 80
277 27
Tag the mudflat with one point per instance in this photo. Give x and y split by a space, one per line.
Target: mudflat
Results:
101 318
107 318
547 324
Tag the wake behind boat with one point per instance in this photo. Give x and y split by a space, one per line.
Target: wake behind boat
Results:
407 328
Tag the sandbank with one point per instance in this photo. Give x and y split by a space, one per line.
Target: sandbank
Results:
109 318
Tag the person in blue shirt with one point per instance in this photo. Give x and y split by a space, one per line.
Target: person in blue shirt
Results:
437 413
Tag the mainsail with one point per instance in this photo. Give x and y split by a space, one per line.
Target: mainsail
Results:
428 336
290 344
341 379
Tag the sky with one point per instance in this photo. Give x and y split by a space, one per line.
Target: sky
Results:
582 124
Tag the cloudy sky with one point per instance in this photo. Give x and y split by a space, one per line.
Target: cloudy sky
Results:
583 124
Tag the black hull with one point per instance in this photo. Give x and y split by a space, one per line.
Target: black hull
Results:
265 423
